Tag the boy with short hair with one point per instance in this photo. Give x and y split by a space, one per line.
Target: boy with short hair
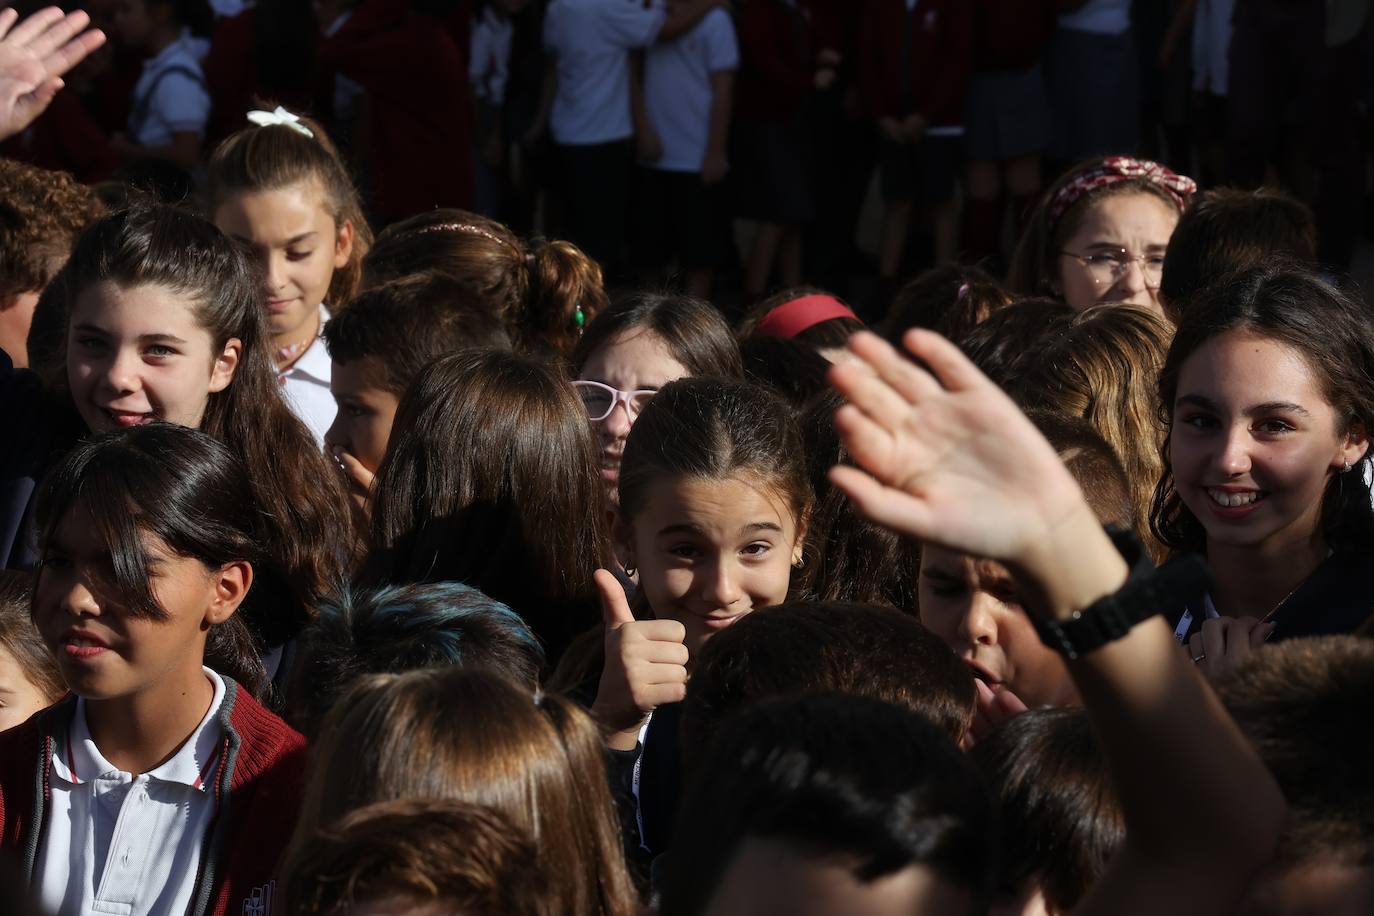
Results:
41 214
378 344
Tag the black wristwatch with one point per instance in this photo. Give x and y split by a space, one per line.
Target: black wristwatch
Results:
1148 591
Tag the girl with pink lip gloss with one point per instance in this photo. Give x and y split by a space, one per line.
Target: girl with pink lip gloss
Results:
159 785
714 503
1268 392
164 322
280 189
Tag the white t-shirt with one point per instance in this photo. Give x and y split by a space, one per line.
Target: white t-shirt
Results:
489 66
170 96
591 41
114 843
306 386
677 89
1212 46
1102 17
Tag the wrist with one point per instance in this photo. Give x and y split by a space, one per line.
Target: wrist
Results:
1074 564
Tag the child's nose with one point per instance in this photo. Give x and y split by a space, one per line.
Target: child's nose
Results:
1233 459
978 626
121 373
722 586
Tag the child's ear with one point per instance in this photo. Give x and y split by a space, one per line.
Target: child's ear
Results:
622 540
222 373
231 582
798 548
1356 443
343 244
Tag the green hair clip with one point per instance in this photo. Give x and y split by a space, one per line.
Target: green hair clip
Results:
579 318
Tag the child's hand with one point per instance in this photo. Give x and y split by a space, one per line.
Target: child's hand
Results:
891 128
714 168
946 457
359 477
991 708
1224 643
646 667
913 128
649 147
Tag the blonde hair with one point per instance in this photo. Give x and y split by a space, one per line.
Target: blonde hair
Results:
465 735
1102 366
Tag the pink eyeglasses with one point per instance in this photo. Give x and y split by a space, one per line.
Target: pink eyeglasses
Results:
600 400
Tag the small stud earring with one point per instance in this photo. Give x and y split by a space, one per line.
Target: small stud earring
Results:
630 569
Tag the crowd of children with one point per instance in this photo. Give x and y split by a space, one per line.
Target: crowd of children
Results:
432 572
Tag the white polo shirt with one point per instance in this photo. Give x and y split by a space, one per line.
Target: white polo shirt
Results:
170 96
591 42
677 89
114 844
306 386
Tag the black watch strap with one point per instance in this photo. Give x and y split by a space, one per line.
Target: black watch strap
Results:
1148 591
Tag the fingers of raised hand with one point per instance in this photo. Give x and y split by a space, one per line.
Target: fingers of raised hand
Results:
615 607
64 58
8 17
28 32
908 380
59 33
954 370
886 506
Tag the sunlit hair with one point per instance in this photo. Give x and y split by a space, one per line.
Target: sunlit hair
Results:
276 156
692 330
536 289
1292 306
951 301
491 478
403 628
1101 366
472 736
463 858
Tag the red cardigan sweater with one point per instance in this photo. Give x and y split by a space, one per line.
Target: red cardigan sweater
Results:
939 60
258 788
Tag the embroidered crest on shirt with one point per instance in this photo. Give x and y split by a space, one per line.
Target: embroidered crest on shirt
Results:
259 903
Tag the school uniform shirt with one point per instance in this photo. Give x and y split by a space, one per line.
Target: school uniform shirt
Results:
918 60
122 844
591 41
170 96
252 790
1335 600
1102 17
489 66
677 89
305 386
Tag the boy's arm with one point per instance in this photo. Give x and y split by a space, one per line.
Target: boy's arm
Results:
948 458
650 145
683 16
716 164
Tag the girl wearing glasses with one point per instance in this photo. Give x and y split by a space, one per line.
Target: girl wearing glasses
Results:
633 349
1098 235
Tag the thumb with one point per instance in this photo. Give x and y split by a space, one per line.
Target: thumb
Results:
615 609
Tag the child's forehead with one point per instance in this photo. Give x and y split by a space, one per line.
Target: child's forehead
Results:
739 499
937 559
363 374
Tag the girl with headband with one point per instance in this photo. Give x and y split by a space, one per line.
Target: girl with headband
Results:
1098 235
807 315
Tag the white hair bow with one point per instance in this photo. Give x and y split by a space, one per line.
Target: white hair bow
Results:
282 118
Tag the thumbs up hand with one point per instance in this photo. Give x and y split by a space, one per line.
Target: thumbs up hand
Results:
646 667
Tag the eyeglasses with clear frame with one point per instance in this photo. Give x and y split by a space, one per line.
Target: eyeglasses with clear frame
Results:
600 400
1108 265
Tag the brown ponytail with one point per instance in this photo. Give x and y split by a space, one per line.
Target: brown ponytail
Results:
563 281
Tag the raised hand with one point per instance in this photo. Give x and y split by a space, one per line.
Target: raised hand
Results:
645 668
944 456
33 56
991 709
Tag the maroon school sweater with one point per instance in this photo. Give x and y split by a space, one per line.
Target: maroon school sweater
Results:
937 66
258 794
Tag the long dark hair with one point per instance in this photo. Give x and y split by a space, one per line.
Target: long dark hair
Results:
190 492
491 478
1293 306
308 527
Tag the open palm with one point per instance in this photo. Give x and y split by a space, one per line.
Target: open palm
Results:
943 455
33 56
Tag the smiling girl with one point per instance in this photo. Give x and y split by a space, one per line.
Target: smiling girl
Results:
1268 390
282 191
714 502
